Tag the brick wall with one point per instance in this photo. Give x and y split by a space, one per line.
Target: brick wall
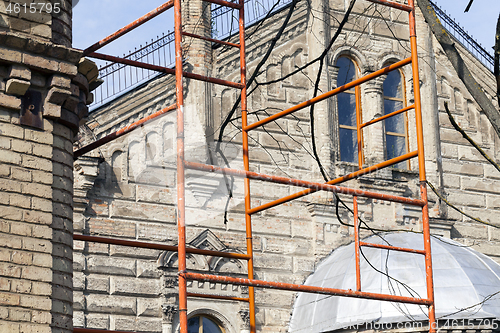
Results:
36 177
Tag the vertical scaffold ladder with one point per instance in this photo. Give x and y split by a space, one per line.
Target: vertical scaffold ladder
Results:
247 175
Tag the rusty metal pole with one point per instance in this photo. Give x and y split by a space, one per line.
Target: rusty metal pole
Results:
359 139
421 167
246 164
181 209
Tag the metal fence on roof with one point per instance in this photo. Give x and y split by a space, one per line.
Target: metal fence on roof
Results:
119 78
464 38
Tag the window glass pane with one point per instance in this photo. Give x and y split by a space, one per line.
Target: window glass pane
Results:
396 146
392 85
210 327
347 109
194 324
348 145
395 123
347 71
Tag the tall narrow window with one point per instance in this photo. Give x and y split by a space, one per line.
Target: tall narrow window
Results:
346 102
395 126
202 324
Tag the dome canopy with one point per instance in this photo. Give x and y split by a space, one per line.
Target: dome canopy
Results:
462 278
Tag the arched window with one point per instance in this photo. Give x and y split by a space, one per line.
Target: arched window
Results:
346 106
203 324
396 136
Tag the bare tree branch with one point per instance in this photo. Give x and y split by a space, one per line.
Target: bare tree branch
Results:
458 63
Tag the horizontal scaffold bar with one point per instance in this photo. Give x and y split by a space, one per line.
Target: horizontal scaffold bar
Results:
303 183
376 120
121 132
165 70
330 93
355 174
394 248
143 19
303 288
211 39
393 4
228 298
156 246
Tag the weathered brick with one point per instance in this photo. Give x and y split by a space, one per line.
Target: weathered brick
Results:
21 257
11 213
38 136
17 87
8 156
39 190
21 286
22 229
9 299
20 200
41 274
41 177
4 284
133 286
97 283
42 231
36 302
10 241
9 185
21 174
40 62
11 130
9 102
112 227
9 327
107 265
112 304
33 216
41 204
37 245
11 270
142 211
41 150
41 317
470 169
33 162
41 288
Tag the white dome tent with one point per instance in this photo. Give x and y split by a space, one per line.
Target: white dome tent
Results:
462 278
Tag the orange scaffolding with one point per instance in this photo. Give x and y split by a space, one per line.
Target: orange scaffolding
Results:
247 175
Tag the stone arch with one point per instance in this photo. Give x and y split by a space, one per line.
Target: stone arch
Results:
152 146
135 157
351 52
168 141
117 159
219 317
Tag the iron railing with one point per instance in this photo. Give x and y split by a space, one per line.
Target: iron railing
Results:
119 78
460 35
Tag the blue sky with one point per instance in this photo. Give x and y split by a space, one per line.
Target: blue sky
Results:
95 19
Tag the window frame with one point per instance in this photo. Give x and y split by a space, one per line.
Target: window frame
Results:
404 101
358 111
212 319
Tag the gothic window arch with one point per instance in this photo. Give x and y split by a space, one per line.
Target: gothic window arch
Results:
395 127
204 324
347 102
